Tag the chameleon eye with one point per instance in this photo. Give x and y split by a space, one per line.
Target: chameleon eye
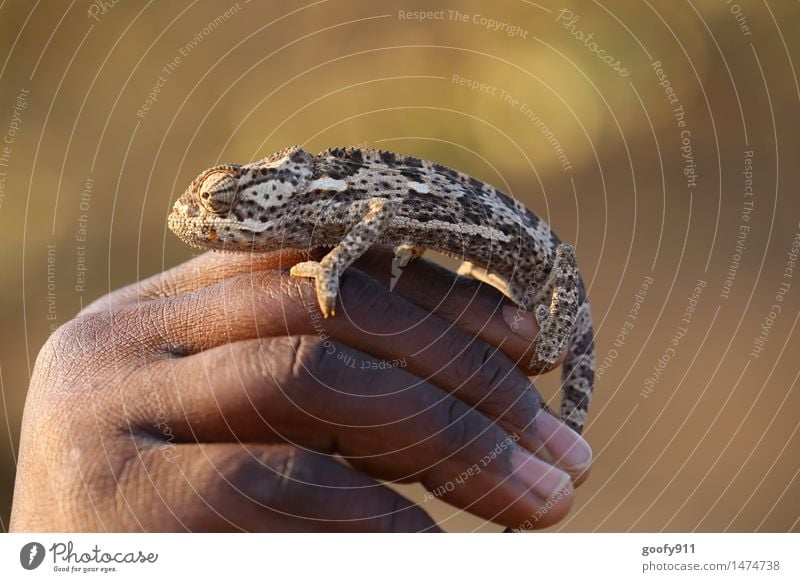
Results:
217 192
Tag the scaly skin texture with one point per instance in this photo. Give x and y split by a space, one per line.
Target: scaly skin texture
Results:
350 199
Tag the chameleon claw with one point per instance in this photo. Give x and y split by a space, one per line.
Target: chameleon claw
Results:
328 308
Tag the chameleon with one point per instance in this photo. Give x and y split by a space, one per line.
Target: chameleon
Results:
348 199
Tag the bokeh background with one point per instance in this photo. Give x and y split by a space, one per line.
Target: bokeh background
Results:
706 441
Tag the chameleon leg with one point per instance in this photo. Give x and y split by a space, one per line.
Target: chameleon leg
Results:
374 216
557 325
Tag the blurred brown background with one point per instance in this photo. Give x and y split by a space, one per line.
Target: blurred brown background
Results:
709 442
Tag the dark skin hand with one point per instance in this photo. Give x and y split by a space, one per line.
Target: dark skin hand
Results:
214 397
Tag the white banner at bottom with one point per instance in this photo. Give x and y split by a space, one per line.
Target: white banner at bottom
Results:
406 557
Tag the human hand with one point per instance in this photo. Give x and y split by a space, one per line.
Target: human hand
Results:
213 397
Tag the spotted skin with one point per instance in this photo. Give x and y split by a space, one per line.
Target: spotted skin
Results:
350 199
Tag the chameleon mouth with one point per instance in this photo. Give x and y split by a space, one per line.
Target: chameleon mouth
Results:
196 231
205 232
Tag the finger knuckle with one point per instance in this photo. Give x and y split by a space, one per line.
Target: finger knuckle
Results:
76 359
512 400
71 347
305 368
457 426
481 364
309 356
263 475
472 361
506 392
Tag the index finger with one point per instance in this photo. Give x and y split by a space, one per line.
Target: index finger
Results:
201 271
476 308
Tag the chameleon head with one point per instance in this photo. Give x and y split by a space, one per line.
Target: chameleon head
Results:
241 207
203 211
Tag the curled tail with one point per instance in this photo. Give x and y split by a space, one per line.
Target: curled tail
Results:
560 299
577 373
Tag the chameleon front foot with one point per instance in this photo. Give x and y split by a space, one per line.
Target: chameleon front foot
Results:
372 217
326 282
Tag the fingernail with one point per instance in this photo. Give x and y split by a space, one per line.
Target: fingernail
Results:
543 479
564 444
521 322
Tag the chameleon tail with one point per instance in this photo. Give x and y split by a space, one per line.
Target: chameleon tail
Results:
577 373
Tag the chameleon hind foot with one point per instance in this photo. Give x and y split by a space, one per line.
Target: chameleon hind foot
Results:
558 319
405 253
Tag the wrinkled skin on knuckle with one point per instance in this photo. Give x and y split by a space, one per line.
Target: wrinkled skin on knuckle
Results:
182 490
509 396
142 330
465 441
73 358
260 476
124 334
475 362
93 359
308 361
458 430
302 370
76 339
73 468
85 487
